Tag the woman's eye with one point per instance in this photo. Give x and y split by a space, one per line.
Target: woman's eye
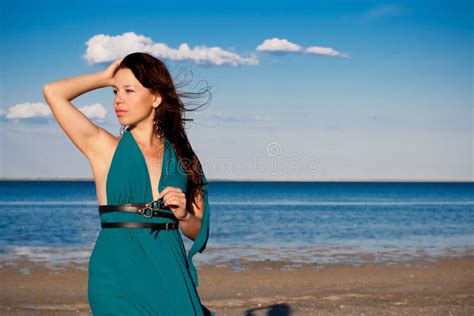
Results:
115 91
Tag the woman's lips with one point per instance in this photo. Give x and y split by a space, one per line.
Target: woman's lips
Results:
120 112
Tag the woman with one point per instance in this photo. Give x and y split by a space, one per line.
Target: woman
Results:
149 182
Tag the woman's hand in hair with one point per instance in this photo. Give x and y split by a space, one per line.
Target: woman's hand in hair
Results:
109 72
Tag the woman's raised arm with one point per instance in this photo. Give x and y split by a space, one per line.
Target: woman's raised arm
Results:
87 136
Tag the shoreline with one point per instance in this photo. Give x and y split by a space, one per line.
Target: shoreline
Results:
24 258
416 287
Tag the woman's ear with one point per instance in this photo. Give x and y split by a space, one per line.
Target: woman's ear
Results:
157 100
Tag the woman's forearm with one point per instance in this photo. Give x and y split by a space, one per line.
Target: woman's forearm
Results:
72 87
191 226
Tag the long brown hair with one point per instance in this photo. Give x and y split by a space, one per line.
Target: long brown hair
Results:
169 115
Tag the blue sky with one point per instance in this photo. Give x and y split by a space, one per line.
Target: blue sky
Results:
301 90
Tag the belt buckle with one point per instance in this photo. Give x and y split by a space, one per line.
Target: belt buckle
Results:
147 212
155 202
150 207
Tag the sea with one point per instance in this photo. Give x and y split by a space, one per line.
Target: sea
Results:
276 224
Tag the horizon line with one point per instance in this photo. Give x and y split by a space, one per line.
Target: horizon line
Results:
262 180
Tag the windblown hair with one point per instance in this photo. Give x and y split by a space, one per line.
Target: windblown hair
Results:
169 116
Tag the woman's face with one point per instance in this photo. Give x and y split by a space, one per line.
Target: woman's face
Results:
132 98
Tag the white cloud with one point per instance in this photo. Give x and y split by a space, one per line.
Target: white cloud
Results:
40 110
94 111
325 51
28 110
105 48
278 45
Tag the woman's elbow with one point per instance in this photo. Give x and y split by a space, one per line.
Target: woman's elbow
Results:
46 89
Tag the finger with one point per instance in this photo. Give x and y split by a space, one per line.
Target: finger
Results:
163 192
174 202
173 196
166 190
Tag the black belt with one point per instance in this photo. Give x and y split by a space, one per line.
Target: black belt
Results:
148 210
167 226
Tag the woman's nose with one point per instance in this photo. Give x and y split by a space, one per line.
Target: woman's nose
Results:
117 99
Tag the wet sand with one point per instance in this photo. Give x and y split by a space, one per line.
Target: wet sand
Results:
443 287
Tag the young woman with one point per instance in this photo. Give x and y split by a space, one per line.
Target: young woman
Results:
149 183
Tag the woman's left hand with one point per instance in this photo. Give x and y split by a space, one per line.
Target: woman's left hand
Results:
175 199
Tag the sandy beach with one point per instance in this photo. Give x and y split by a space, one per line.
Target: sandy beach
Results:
421 287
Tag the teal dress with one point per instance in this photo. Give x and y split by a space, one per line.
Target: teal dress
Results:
137 271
